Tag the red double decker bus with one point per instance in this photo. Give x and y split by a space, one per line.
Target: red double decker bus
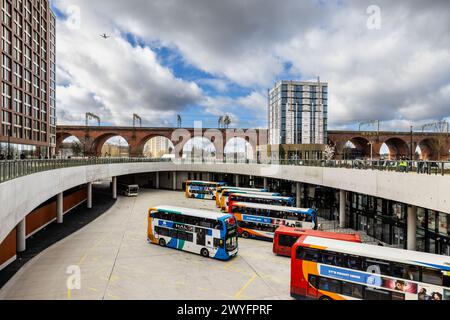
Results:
286 237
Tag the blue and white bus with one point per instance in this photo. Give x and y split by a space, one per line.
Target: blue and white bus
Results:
269 199
202 189
207 233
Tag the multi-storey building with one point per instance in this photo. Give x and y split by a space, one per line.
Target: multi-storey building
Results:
28 116
298 113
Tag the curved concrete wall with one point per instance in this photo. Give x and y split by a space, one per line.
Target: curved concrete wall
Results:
20 196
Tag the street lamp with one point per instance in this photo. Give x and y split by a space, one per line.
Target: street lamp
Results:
9 143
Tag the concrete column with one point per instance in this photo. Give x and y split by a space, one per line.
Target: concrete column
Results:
21 236
157 180
298 193
89 195
412 228
59 208
342 195
266 186
114 188
236 179
174 177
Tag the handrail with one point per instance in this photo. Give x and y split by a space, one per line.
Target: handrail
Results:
12 169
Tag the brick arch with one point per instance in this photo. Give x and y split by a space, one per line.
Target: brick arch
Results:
137 150
61 136
430 148
397 148
97 143
361 144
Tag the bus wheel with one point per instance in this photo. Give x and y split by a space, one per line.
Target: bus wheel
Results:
324 298
204 253
162 242
245 235
214 198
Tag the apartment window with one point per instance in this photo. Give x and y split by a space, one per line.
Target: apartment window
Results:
6 12
6 40
6 68
6 96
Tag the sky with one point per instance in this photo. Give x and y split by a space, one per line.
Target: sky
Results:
205 58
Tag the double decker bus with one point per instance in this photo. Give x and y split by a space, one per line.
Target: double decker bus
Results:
286 237
207 233
261 198
260 220
226 193
224 188
328 269
202 189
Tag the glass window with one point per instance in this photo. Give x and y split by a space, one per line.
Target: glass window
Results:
287 241
431 220
443 227
352 290
330 285
432 276
373 294
354 262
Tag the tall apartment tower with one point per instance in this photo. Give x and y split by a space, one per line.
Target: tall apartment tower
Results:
28 107
298 113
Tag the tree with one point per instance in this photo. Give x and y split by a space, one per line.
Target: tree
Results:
76 149
329 152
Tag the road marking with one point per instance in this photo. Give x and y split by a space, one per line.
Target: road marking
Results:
249 282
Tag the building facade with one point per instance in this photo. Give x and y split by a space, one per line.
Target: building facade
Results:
28 107
298 113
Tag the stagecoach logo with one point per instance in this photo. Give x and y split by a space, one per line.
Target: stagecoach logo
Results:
183 227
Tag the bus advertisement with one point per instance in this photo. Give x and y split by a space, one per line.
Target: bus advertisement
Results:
260 221
224 188
328 269
202 189
286 237
207 233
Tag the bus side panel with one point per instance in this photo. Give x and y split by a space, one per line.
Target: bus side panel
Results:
150 235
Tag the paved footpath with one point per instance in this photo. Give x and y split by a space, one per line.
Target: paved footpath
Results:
116 262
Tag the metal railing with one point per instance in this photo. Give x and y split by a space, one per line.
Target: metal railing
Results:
18 168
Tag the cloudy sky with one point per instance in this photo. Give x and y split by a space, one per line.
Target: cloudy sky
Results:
205 58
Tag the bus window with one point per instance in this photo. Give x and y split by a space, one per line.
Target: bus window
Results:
218 243
330 285
352 290
446 282
286 241
432 276
354 262
374 294
331 259
398 296
308 254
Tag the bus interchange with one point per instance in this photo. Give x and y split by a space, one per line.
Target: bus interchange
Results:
324 265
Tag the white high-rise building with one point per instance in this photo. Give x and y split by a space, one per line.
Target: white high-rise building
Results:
298 112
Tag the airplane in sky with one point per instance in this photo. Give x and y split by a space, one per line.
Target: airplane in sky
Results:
105 36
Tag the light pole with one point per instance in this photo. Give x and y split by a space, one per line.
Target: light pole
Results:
9 143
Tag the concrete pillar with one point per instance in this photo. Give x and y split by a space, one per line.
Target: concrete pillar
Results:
266 186
298 193
412 228
89 195
59 208
342 200
157 180
21 236
174 178
236 178
114 188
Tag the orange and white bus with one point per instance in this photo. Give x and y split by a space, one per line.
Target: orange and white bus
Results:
225 188
328 269
260 221
286 237
226 193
